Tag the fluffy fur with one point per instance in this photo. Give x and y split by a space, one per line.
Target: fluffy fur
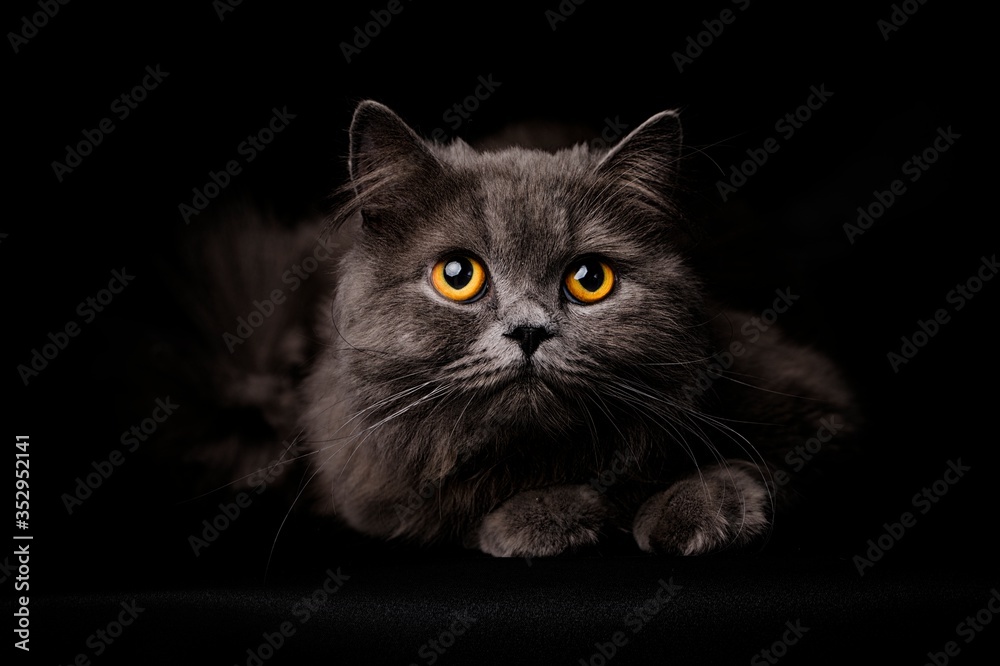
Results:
430 421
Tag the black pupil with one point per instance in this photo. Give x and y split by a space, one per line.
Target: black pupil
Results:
458 272
590 276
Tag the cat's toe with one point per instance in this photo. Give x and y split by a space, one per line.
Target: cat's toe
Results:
726 506
545 522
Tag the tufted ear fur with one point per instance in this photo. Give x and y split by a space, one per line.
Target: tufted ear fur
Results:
389 164
649 152
641 172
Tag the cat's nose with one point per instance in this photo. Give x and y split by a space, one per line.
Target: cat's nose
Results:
529 337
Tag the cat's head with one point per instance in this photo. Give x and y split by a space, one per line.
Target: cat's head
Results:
516 291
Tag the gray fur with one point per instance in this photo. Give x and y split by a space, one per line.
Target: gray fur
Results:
240 395
414 392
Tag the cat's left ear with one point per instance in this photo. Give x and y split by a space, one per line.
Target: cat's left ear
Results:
642 170
649 154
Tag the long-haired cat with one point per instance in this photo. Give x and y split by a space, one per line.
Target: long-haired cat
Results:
518 357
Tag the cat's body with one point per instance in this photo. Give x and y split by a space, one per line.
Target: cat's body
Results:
518 357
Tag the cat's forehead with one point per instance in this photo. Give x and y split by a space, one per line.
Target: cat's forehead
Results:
529 200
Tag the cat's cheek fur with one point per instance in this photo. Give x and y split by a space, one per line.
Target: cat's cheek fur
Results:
725 506
544 522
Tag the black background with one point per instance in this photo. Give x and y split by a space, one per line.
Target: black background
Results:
784 228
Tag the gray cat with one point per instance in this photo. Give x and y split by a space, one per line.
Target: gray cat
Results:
518 357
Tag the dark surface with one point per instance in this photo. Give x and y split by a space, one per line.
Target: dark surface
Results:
608 60
550 612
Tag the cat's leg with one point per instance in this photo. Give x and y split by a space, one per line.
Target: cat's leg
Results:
544 522
725 505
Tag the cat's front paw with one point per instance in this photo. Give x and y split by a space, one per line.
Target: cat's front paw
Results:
727 505
544 522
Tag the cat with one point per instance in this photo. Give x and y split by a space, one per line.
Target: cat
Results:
517 357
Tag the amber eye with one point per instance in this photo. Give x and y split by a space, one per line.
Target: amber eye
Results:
459 278
588 280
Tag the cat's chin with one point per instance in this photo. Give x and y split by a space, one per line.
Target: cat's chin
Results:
519 383
527 398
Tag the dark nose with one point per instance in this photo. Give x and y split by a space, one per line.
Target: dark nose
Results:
529 337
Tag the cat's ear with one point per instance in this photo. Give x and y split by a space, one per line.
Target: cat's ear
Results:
388 162
643 166
650 150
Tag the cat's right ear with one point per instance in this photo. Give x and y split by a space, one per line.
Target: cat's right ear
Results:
389 164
